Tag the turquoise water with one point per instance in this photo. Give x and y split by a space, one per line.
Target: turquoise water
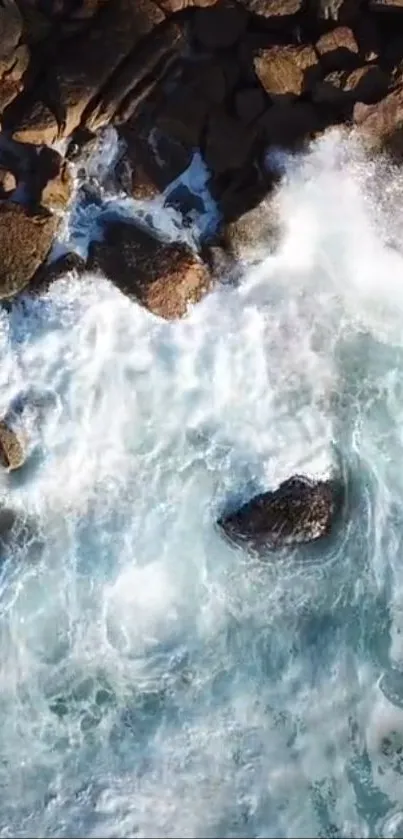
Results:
153 679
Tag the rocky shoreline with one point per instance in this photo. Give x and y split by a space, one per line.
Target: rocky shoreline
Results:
228 79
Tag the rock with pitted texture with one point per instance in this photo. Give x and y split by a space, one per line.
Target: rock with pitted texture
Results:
11 451
274 10
25 241
298 512
287 71
164 277
381 124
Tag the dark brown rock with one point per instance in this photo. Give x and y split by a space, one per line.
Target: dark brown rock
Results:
157 158
184 116
207 80
287 70
54 180
338 49
37 125
364 84
220 26
25 241
11 450
14 55
250 102
290 125
298 512
256 232
229 143
163 277
49 273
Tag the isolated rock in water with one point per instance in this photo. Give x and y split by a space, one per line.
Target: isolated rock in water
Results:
25 241
165 277
11 451
299 511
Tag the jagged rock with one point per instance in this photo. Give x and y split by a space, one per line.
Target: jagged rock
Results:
25 241
14 55
298 512
11 451
229 142
54 182
7 182
37 125
163 277
287 70
79 75
158 159
338 49
221 26
381 124
273 9
250 102
364 84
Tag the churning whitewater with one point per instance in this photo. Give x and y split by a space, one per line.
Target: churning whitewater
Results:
156 681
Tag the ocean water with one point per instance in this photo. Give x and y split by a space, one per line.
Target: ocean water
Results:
154 680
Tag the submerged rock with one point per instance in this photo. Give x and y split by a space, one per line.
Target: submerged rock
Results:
11 451
298 512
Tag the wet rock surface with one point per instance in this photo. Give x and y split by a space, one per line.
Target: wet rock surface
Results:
300 511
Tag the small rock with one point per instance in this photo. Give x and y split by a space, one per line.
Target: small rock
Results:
11 451
163 277
25 241
298 512
273 9
8 182
287 70
338 49
220 26
54 180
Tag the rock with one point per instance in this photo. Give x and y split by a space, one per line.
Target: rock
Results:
256 232
207 80
298 512
219 26
386 5
287 70
338 49
11 451
229 143
341 11
184 116
163 277
7 181
158 158
171 6
273 9
54 181
365 84
50 272
249 103
290 125
134 180
79 75
37 125
381 124
25 241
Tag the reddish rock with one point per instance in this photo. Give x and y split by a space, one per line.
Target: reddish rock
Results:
287 70
25 241
220 26
249 103
381 124
229 143
163 277
338 49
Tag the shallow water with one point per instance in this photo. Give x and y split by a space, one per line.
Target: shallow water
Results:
154 680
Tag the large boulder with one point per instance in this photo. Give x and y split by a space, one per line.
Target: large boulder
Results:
164 277
14 55
298 512
287 70
25 241
381 124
